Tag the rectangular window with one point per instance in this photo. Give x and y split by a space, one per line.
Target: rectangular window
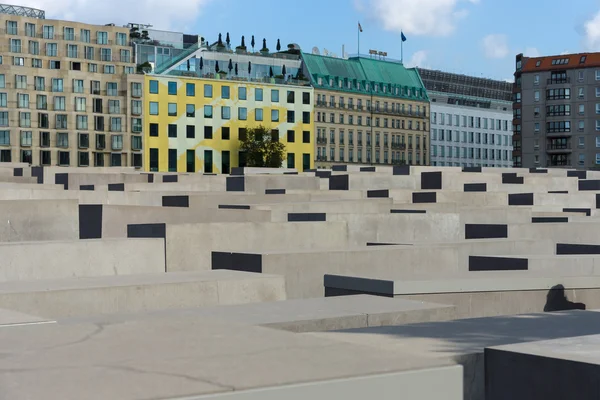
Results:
190 131
274 95
208 111
258 114
172 88
190 89
154 130
208 132
258 94
153 108
80 104
57 85
208 92
291 97
306 99
225 92
136 142
136 89
242 93
190 110
242 113
172 109
274 115
172 130
291 117
226 112
153 87
112 89
225 133
115 124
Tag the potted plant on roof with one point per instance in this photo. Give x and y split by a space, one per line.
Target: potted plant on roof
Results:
241 49
265 49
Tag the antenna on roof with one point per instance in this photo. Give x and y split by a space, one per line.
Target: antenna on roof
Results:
315 51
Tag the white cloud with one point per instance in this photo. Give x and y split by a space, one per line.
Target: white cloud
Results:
419 17
592 33
495 46
532 52
509 80
161 14
417 60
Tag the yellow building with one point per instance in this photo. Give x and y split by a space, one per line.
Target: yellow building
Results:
194 124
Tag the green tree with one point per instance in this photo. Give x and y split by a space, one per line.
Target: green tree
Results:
261 150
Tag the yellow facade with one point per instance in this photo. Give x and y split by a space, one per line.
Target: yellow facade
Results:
178 133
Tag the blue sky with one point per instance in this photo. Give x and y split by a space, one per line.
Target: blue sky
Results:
476 37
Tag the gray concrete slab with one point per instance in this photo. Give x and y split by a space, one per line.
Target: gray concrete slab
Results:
464 341
174 358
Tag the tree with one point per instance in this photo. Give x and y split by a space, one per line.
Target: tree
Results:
144 68
261 150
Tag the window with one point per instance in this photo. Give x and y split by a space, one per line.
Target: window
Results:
172 130
4 138
537 127
136 143
34 47
22 100
190 110
108 69
41 102
48 32
581 125
172 86
208 132
306 98
80 104
290 136
153 108
21 81
258 114
11 27
112 89
536 95
15 45
275 96
225 92
114 106
136 125
274 115
19 61
2 81
72 50
242 93
208 111
291 99
153 87
99 123
172 109
102 37
242 113
291 117
208 92
4 118
25 119
536 80
136 107
26 138
190 131
225 134
306 117
225 112
30 29
306 137
62 139
190 89
3 100
154 130
136 89
106 54
115 124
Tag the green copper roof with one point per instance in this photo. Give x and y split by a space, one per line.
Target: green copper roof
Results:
362 74
329 66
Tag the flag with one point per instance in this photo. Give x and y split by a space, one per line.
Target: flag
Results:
402 36
359 27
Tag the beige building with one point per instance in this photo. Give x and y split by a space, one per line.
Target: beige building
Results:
368 111
69 94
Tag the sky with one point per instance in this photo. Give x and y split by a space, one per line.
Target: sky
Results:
474 37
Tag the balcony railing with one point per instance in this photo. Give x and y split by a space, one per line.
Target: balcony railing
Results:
554 81
558 147
321 140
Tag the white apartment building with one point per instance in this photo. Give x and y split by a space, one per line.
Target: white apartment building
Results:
471 120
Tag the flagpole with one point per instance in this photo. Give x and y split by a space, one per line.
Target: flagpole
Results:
401 47
358 38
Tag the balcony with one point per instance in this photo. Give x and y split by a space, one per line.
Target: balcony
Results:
558 148
557 133
556 81
321 140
